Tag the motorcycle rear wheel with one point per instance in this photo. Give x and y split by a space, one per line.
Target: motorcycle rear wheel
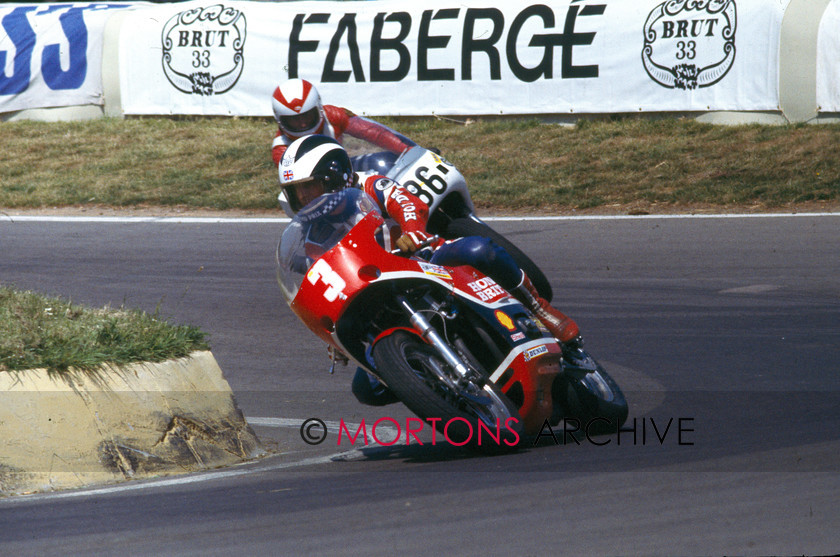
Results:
466 226
406 364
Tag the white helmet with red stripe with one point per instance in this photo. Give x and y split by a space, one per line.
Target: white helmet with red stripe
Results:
297 108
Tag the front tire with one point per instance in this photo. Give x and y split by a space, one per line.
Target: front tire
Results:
466 226
481 417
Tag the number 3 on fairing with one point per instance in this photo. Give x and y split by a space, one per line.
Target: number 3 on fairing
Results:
433 184
335 284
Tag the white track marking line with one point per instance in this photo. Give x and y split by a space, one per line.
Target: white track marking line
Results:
283 220
196 477
387 433
164 220
233 472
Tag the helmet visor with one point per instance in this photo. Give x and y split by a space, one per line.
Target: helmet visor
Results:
301 192
300 122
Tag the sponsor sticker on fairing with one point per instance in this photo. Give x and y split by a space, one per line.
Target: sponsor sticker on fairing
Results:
435 270
534 352
505 320
487 289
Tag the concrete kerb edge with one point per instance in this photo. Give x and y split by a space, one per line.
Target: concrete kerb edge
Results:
137 421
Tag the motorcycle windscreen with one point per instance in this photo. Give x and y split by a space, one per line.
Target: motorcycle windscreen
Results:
315 230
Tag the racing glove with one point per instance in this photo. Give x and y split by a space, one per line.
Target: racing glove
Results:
411 241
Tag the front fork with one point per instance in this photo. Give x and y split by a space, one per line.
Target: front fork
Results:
430 334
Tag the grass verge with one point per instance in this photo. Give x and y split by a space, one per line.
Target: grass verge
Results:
620 164
52 333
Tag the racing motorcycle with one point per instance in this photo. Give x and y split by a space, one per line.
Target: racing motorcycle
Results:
435 180
453 346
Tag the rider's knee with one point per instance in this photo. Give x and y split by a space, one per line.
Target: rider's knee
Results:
485 255
480 250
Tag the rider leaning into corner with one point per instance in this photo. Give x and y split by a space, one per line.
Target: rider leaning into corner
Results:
317 164
299 112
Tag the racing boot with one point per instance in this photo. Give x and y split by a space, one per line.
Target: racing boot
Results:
561 326
370 391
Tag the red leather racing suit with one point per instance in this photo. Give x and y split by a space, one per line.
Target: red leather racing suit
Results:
337 121
409 211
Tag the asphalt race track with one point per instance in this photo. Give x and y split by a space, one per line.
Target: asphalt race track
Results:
723 332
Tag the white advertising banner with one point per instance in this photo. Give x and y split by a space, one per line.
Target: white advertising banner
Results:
391 57
51 54
828 59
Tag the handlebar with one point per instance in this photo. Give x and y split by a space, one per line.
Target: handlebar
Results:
425 243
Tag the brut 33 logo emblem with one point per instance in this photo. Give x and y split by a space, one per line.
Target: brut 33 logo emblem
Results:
202 49
690 43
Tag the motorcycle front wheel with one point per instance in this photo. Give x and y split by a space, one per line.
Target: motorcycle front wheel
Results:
466 226
480 417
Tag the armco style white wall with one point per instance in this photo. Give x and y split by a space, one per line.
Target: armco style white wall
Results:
798 61
110 85
797 83
797 71
111 66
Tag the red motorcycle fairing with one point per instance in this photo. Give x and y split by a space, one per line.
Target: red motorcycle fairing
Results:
526 377
336 278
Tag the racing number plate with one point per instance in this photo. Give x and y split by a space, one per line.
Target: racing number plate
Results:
427 178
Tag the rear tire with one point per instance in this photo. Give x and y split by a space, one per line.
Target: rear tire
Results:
585 392
406 363
466 226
